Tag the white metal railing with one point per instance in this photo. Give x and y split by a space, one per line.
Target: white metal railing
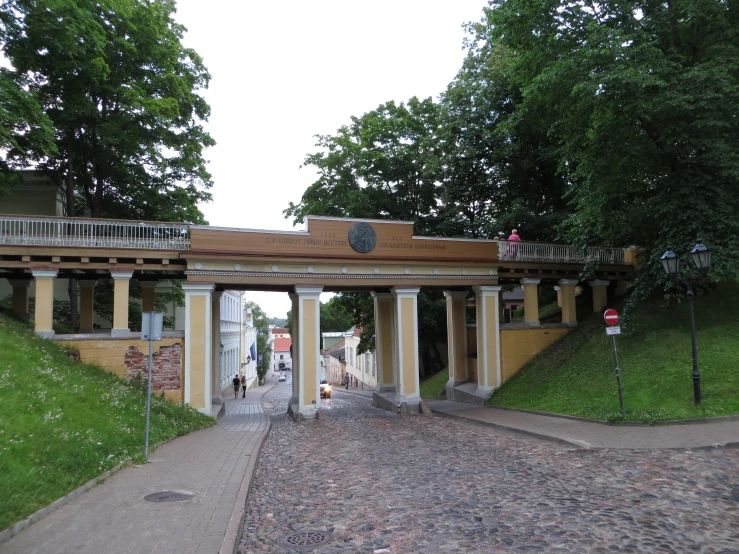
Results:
72 231
520 251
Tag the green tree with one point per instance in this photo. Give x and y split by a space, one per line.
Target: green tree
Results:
383 165
122 94
25 131
640 98
264 347
334 316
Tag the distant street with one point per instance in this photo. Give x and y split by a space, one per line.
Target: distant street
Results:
375 482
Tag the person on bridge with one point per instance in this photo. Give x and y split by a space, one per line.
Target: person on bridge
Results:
513 248
237 383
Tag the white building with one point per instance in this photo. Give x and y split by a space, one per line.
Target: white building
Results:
281 354
249 352
361 368
231 330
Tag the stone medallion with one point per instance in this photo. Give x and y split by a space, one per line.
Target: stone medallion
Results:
362 237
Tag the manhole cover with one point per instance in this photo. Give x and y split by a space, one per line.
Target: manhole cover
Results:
305 540
168 496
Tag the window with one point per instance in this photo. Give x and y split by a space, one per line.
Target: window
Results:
280 356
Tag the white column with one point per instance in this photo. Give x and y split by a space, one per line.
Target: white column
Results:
489 364
198 345
456 328
295 362
406 318
216 379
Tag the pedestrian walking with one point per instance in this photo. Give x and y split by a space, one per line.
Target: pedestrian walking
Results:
243 385
237 383
346 380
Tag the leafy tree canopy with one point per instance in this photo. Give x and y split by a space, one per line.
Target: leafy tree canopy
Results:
264 346
121 92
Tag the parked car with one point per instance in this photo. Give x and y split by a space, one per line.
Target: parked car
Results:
283 377
325 389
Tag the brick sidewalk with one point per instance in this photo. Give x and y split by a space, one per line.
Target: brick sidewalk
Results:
216 465
584 434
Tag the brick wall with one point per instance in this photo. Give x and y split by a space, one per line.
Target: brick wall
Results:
165 366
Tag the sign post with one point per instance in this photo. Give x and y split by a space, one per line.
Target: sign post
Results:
151 330
611 318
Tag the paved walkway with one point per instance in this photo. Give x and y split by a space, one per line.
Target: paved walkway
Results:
585 434
215 465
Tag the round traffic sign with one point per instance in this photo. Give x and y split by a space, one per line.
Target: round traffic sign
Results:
611 317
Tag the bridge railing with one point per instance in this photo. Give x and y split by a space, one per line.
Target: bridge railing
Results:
72 231
520 251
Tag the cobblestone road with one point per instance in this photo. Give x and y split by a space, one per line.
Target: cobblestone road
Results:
379 482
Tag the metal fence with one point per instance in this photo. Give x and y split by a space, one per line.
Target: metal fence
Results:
71 231
520 251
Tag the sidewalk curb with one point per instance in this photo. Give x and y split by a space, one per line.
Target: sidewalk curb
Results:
663 423
534 434
19 526
236 523
235 526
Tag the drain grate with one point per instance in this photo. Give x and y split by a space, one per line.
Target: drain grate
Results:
306 540
168 496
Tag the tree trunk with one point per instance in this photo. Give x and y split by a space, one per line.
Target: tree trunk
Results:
69 194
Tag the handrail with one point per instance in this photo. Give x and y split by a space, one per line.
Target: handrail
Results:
95 233
523 251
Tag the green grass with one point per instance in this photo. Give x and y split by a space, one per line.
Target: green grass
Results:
576 376
435 386
63 423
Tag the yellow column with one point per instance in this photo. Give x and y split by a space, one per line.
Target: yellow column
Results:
198 345
295 361
44 304
147 296
120 302
216 369
87 305
489 369
309 349
384 341
600 294
20 297
456 332
569 313
408 389
559 295
531 301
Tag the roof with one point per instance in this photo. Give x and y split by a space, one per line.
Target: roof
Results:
282 345
279 331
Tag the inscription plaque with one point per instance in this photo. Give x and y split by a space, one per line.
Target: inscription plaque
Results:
362 237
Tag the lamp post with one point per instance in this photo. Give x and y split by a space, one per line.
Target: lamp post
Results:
702 261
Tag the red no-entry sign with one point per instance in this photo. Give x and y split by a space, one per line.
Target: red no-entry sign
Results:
611 317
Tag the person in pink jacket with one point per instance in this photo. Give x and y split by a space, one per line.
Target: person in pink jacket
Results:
513 248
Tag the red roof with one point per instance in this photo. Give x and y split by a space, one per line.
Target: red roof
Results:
279 331
283 345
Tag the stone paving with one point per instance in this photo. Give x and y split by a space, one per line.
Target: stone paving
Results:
379 482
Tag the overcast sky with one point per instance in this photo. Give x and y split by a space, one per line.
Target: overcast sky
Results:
282 72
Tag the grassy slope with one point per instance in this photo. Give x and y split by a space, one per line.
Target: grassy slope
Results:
434 386
577 375
63 423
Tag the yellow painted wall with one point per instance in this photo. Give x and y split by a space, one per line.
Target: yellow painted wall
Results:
197 350
518 346
109 355
310 354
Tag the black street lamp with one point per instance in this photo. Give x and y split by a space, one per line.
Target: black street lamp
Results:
702 260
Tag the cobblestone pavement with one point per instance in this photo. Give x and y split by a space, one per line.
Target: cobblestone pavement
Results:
378 482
